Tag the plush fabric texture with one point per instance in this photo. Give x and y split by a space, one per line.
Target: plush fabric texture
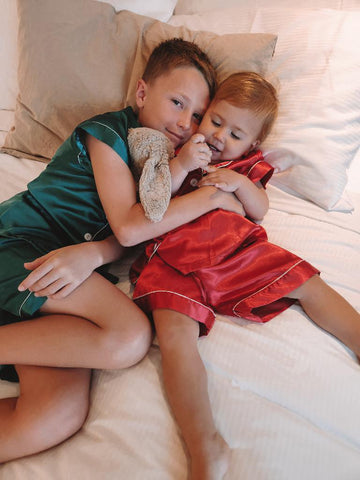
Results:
150 152
317 72
78 59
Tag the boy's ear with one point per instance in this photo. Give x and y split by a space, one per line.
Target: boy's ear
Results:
140 94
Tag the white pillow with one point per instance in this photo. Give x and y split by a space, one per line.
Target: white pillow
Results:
316 66
159 9
188 7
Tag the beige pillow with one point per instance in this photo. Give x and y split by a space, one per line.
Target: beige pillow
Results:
78 59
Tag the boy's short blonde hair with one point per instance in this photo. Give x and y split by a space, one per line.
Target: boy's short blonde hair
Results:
175 53
251 91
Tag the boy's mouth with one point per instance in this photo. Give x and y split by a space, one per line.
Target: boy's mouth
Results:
176 136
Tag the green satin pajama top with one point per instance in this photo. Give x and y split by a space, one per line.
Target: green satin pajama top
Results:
64 196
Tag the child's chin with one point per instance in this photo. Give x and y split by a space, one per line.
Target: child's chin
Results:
215 158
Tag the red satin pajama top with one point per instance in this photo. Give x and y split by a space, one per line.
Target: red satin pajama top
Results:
219 263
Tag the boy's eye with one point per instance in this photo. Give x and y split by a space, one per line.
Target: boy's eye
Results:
236 137
216 123
176 102
197 117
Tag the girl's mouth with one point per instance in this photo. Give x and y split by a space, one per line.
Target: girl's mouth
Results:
213 148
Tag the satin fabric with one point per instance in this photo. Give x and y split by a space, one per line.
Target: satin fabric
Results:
220 262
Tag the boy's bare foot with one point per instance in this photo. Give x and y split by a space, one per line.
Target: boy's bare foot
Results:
211 462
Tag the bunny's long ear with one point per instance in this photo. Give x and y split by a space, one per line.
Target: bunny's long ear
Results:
155 187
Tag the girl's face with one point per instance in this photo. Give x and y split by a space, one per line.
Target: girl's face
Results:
173 103
230 131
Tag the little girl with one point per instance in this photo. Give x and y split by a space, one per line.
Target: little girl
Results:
222 262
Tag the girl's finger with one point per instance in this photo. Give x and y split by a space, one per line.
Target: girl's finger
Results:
198 138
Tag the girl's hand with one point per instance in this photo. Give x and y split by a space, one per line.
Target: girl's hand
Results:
228 201
252 197
222 178
59 272
195 153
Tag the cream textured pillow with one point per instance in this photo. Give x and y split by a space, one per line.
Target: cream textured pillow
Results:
317 69
187 7
78 59
159 9
8 54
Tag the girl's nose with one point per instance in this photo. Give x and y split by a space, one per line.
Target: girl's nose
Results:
220 135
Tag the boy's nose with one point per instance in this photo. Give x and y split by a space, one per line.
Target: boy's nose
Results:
184 121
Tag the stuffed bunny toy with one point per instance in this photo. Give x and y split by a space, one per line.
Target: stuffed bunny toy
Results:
151 151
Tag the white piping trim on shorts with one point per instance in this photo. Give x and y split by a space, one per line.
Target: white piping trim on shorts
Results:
101 229
23 303
179 295
266 286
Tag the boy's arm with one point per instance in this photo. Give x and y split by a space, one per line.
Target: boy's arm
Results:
193 154
59 272
252 196
116 188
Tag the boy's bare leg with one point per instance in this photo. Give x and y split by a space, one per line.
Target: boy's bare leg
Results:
96 326
52 406
330 311
185 382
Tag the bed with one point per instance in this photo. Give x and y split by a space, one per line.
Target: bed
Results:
285 395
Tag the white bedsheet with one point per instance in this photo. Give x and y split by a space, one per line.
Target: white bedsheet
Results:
285 394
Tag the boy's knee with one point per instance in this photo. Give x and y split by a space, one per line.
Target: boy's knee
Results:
59 417
124 349
72 415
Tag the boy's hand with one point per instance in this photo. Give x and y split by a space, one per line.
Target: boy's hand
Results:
195 153
222 178
59 272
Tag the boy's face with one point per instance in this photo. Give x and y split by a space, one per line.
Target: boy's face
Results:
173 103
230 131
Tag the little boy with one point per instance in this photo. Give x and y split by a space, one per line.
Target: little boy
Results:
54 326
222 262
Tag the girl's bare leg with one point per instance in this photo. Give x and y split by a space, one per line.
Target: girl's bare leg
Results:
330 311
96 326
52 406
185 381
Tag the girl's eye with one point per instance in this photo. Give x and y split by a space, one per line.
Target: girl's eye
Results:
214 122
236 137
176 102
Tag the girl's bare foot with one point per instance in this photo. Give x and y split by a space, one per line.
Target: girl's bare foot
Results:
211 461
